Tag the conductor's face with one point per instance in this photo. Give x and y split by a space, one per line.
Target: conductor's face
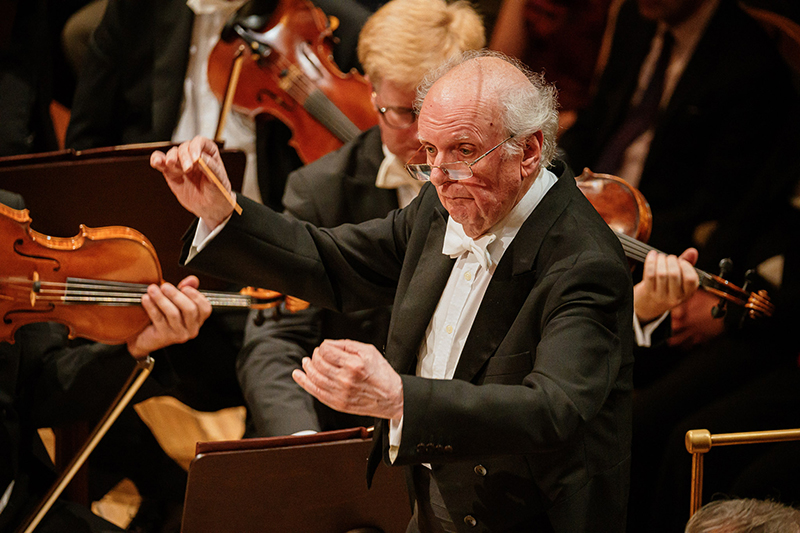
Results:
461 120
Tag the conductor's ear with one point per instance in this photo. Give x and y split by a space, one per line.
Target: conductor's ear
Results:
532 155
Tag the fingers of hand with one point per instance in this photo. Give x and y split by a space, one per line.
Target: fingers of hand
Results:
690 255
200 307
302 379
157 160
649 271
691 280
187 161
320 385
174 315
189 281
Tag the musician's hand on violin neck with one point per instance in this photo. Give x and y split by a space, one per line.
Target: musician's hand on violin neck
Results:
176 314
192 186
667 281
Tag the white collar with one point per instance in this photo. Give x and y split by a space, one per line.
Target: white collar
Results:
499 237
392 173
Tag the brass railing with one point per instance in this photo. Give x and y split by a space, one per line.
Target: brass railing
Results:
700 441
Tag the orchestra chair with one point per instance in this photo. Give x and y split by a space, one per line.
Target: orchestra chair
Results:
293 484
700 441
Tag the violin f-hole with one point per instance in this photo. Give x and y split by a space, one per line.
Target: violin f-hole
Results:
265 94
49 307
18 251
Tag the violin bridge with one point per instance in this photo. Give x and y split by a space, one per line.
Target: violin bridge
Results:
35 288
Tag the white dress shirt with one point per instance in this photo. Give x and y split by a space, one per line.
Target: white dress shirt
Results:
200 110
458 306
392 174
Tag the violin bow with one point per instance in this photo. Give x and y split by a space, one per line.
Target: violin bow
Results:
135 380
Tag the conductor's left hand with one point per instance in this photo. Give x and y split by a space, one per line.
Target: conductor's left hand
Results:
352 377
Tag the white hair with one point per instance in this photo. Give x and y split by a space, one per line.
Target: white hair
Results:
744 516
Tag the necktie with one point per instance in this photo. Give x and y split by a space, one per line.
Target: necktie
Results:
456 243
639 117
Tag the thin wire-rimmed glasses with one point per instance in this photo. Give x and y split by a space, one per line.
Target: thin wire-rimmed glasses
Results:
455 170
396 117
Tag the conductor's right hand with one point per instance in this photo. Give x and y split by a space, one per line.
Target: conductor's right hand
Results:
194 190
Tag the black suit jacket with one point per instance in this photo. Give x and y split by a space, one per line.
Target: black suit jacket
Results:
338 188
733 101
541 395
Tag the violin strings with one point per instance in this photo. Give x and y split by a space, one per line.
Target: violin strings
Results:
76 290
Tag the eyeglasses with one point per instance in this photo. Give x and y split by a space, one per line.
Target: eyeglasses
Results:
395 116
456 170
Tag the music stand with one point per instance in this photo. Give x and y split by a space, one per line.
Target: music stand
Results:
112 186
310 483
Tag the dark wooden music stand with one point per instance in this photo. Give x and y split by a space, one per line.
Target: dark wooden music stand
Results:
108 187
297 484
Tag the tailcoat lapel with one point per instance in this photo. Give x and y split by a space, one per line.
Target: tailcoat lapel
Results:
413 311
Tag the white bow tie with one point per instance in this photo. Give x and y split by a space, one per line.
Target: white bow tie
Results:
456 243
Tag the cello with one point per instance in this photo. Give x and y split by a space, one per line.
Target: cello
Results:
627 212
284 67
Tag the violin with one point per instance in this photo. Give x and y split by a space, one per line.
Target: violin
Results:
627 212
92 283
284 67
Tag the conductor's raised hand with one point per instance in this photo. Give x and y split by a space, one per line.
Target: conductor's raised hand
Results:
352 377
193 188
176 314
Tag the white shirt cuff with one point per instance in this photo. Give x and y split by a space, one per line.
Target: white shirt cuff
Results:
644 333
395 433
203 236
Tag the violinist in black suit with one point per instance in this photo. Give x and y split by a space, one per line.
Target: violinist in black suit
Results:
682 80
143 80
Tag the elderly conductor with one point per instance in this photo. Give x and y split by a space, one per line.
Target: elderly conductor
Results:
505 383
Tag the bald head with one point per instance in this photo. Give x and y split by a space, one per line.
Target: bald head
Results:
481 77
